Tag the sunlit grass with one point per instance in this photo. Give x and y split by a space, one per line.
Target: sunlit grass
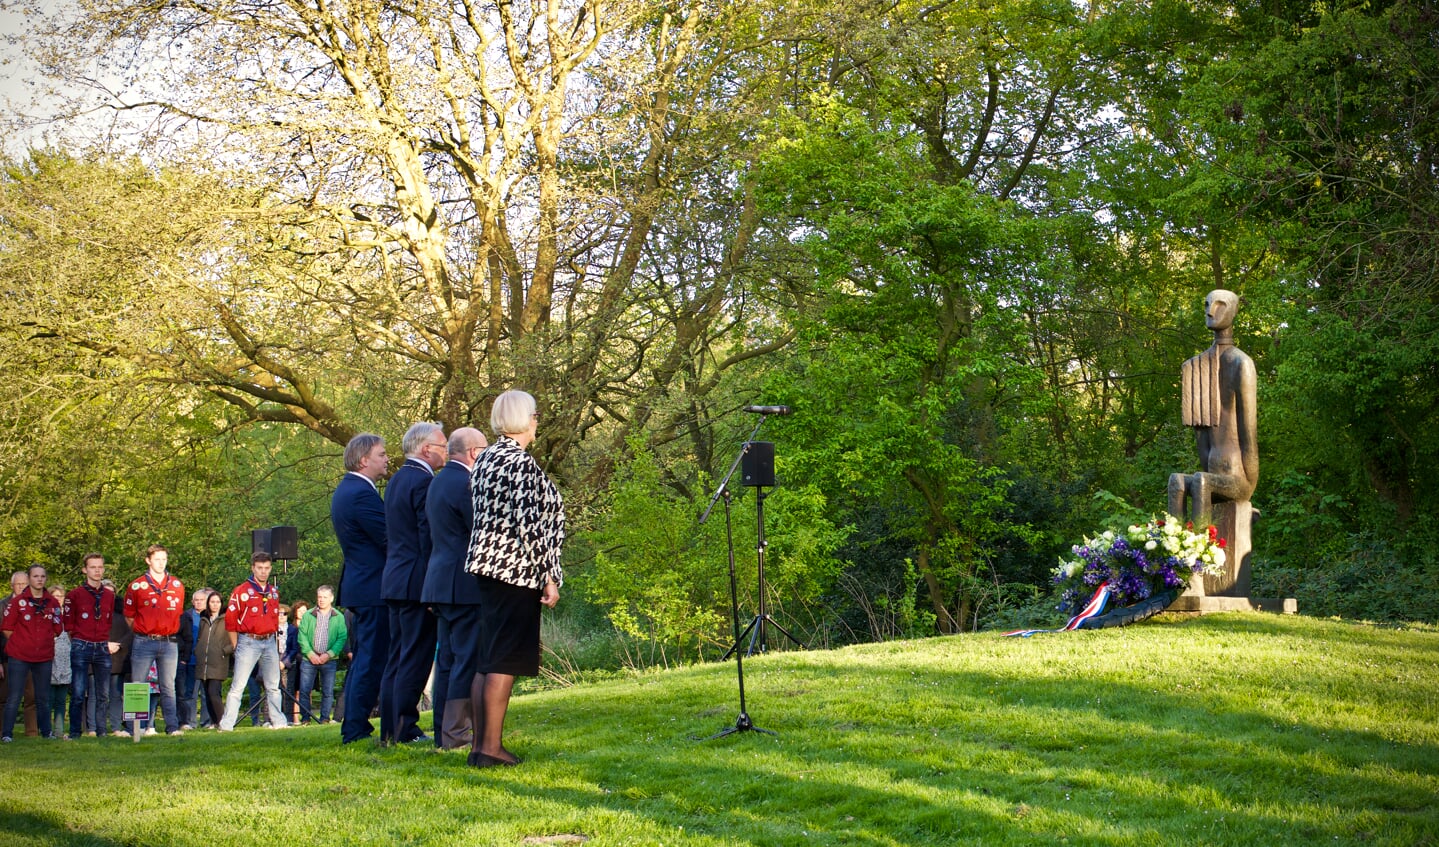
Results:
1230 729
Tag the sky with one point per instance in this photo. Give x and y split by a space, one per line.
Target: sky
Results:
14 69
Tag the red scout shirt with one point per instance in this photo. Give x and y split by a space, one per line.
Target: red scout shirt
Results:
88 612
154 607
254 609
33 623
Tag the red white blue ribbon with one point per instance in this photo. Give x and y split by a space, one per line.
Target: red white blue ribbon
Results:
1094 607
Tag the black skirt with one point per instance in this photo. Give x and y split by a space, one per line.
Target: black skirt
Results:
509 629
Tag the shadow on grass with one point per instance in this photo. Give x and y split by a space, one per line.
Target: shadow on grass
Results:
946 755
18 829
1084 739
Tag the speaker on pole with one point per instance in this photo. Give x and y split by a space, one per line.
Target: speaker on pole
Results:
757 467
259 541
285 542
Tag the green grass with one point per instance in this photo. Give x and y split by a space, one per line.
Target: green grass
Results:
1229 729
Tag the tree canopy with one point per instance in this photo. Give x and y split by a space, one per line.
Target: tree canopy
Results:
969 242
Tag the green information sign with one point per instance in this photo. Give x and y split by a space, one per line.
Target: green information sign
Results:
137 701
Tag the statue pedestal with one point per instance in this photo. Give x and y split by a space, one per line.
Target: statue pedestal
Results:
1205 605
1227 592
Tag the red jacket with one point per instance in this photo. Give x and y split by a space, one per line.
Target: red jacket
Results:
254 609
87 616
154 608
33 624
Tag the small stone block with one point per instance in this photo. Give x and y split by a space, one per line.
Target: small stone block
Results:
1205 605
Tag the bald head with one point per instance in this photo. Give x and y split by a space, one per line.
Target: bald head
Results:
465 444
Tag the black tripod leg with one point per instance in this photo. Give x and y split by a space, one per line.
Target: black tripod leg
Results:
740 637
787 634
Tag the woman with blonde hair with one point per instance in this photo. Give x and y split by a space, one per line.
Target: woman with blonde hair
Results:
515 541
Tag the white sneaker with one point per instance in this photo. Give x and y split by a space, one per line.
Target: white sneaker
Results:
151 731
277 726
120 733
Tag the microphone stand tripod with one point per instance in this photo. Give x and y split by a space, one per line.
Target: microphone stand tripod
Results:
743 723
756 628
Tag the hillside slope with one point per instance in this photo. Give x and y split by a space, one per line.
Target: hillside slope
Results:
1235 729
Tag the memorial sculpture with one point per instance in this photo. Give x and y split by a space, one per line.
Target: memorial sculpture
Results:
1219 388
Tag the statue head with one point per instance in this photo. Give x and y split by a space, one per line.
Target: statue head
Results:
1219 309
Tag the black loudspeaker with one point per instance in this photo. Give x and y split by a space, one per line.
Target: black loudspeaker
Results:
259 541
757 467
285 542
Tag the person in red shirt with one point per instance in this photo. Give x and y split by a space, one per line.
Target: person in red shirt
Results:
19 584
88 613
153 605
31 624
252 620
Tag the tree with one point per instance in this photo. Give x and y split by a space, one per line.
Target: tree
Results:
468 190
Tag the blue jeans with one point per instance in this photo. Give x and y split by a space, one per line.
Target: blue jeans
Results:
326 673
166 656
185 693
249 653
89 659
15 672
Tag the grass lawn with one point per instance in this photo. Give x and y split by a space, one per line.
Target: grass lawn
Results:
1240 729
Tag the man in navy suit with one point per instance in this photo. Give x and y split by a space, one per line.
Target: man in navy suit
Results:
412 627
453 594
358 514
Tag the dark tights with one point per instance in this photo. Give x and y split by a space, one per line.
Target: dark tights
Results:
489 700
214 701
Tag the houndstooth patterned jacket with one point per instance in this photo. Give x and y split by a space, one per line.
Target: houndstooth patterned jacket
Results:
519 518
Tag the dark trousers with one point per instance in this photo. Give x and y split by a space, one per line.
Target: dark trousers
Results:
371 626
117 702
17 672
412 654
457 632
89 683
214 700
185 693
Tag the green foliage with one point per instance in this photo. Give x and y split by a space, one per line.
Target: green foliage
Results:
663 578
1362 576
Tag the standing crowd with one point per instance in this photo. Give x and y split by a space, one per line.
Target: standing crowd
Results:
71 652
443 581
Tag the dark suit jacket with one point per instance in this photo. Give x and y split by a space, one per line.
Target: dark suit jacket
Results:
408 531
358 514
451 514
186 636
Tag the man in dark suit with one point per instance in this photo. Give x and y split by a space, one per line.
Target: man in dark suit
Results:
412 627
358 514
453 594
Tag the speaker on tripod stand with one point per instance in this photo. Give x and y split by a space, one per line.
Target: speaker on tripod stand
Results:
757 472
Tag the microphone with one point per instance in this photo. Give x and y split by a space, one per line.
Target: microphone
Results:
769 410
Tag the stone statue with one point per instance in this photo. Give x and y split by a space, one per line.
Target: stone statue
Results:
1219 387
